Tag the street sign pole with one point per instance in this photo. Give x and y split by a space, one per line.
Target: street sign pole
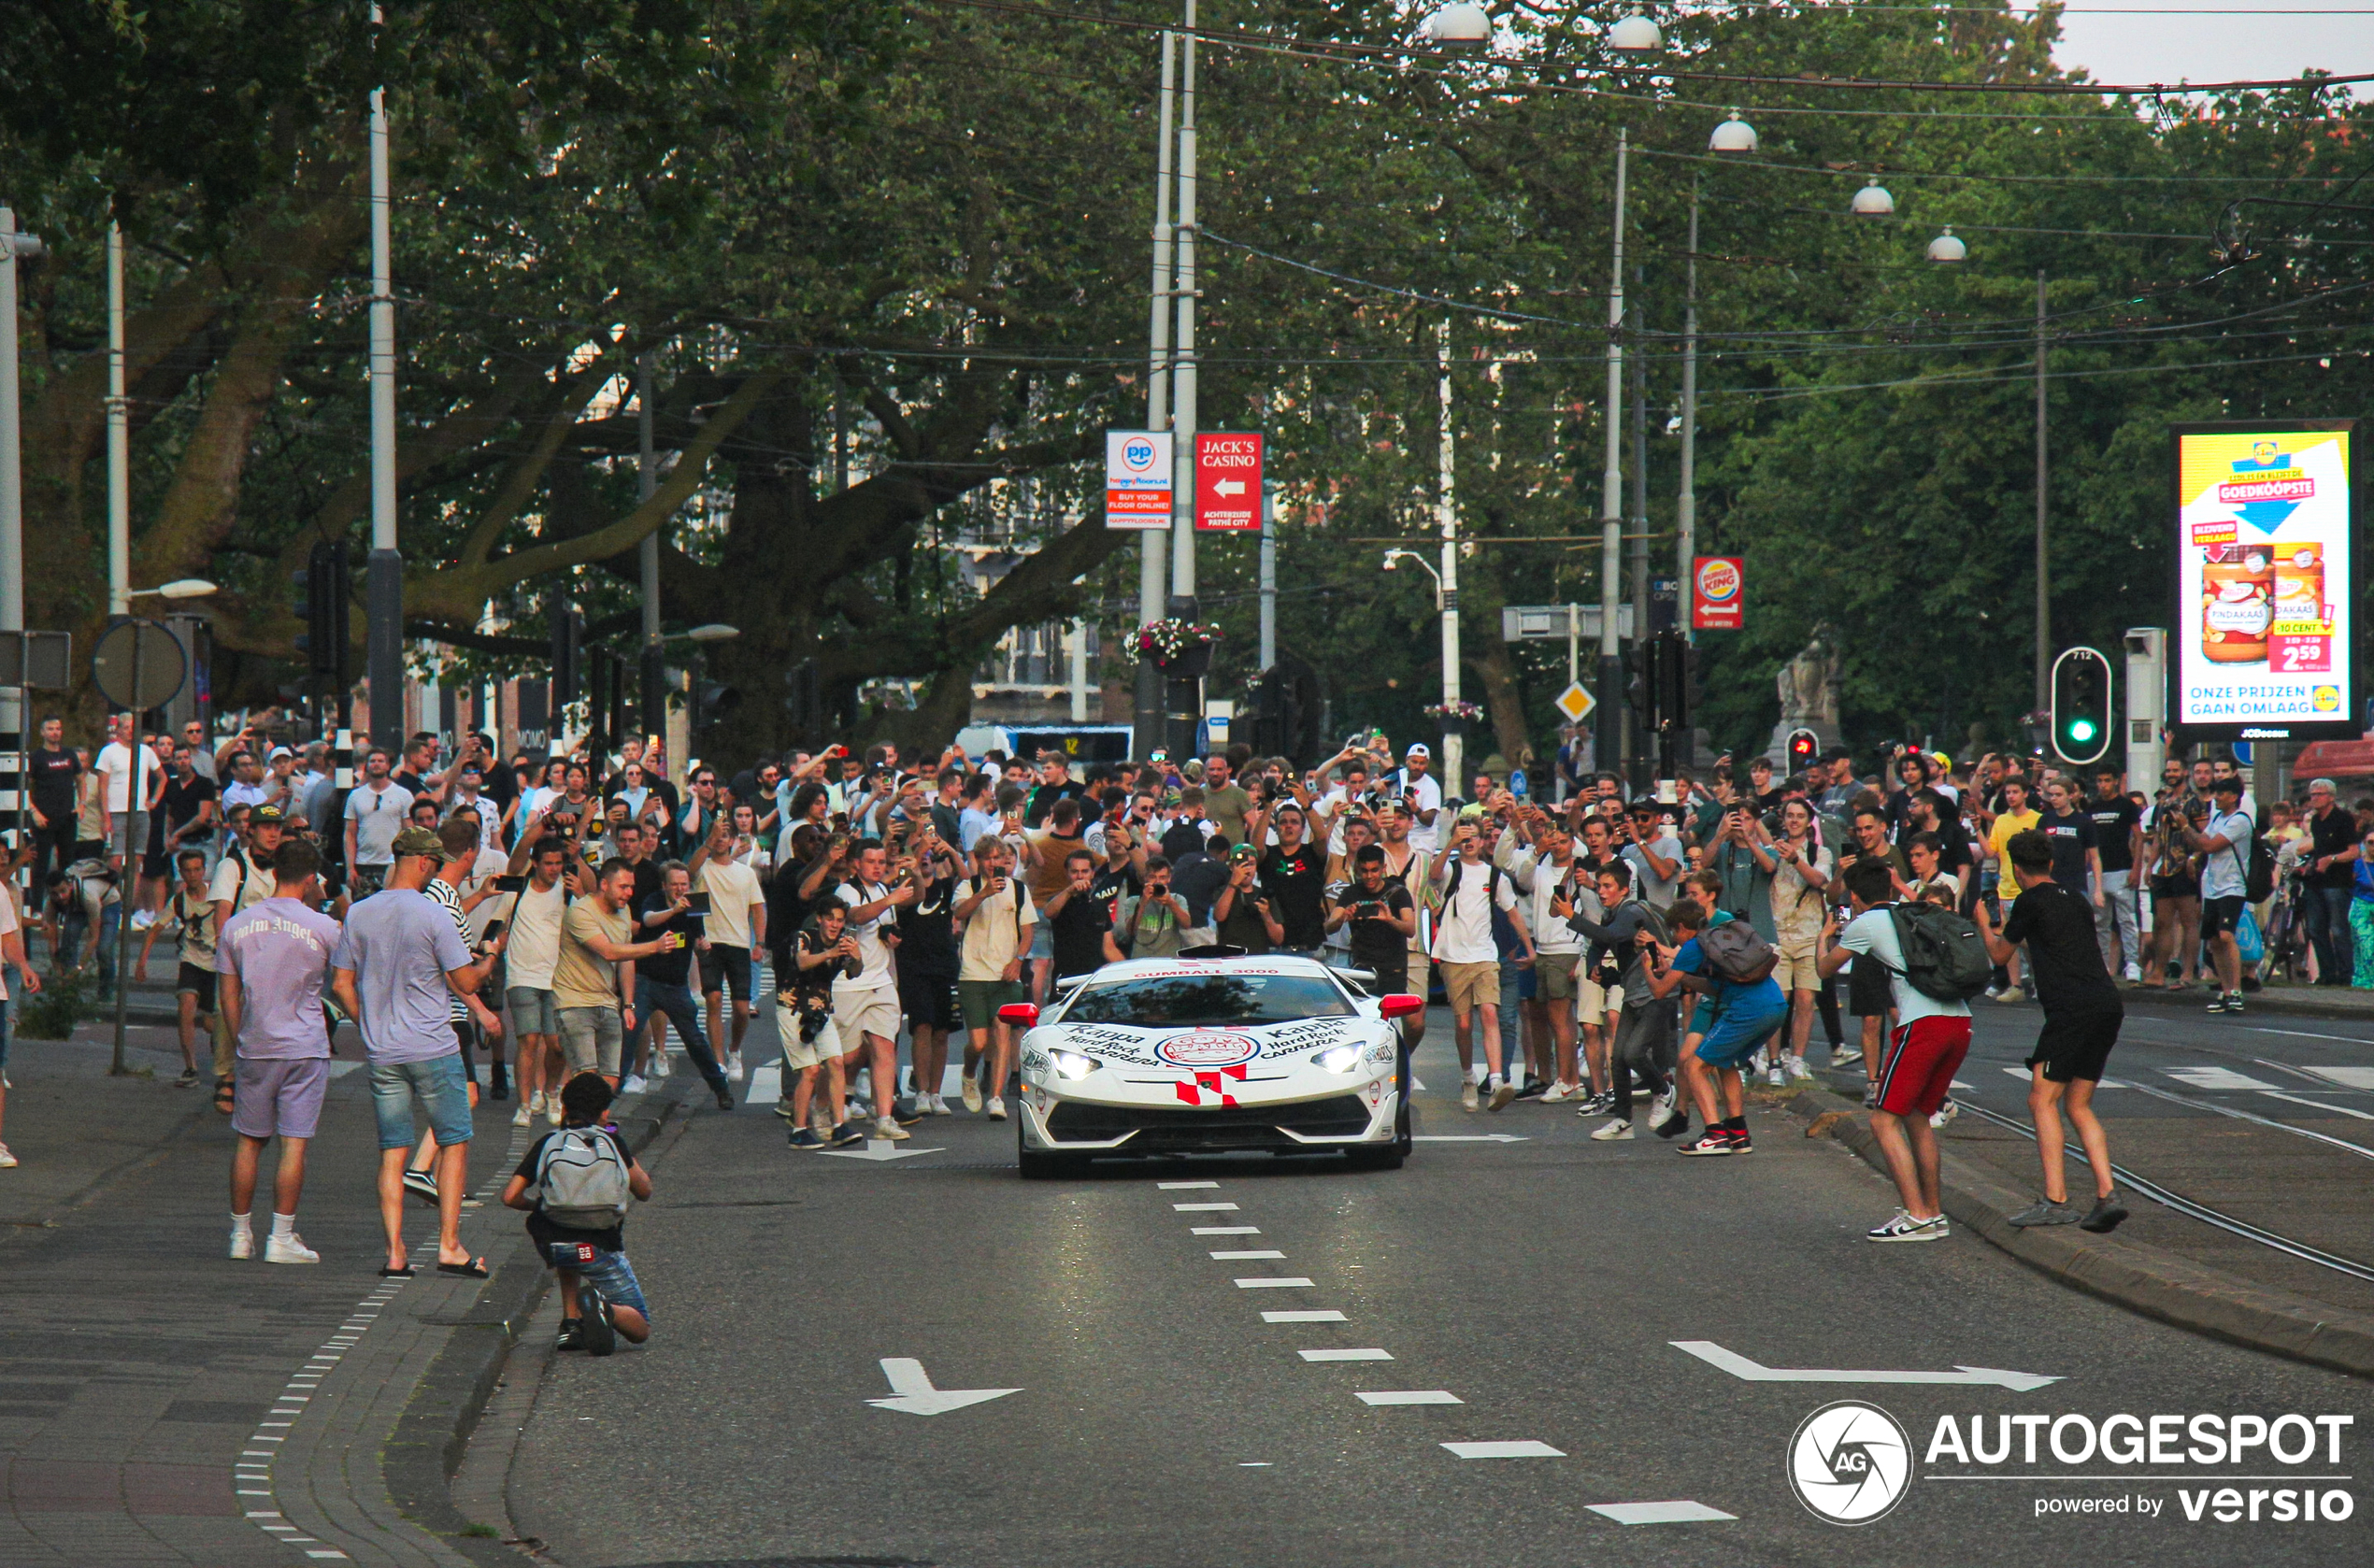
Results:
130 879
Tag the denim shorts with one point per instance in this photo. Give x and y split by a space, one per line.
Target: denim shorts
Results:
532 1009
614 1277
441 1085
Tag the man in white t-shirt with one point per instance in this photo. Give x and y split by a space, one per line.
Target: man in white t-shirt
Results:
375 811
1930 1039
1548 876
1422 795
115 764
2225 841
1469 959
12 954
865 1005
737 928
535 949
992 910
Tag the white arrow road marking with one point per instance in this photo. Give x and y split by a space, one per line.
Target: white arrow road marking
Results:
1469 1139
1371 1355
1739 1366
1410 1396
1526 1449
881 1148
1677 1512
911 1390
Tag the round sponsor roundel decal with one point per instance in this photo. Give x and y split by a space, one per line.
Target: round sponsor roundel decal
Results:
1205 1048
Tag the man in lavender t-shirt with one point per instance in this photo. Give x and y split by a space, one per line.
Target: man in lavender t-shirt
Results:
272 959
396 965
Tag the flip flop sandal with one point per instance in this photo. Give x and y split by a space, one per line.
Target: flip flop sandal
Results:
222 1096
475 1269
407 1272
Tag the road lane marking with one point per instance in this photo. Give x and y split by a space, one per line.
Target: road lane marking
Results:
2319 1105
1225 1231
911 1390
2306 1035
1369 1355
1467 1138
1410 1396
2214 1078
2348 1078
1244 1257
1741 1367
2026 1076
1205 1208
1677 1512
1296 1283
1181 1186
878 1150
1526 1449
1330 1315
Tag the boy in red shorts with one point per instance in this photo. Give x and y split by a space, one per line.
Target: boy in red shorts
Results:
1930 1039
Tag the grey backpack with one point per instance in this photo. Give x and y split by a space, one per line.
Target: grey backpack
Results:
583 1180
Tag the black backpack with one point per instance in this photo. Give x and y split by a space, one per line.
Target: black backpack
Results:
2259 866
1944 956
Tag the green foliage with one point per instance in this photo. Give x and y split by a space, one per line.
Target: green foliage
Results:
63 1002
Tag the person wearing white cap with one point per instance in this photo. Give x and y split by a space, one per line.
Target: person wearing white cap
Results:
1421 794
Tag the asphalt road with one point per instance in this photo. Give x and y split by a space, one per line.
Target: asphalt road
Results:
1159 1419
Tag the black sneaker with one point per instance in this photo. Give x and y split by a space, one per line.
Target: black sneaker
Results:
2234 1001
572 1335
725 1099
849 1134
1534 1089
1711 1142
189 1079
601 1335
2217 1003
1674 1125
806 1137
1740 1143
2106 1213
905 1113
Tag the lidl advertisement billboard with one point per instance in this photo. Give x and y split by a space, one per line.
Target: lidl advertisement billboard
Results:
2267 585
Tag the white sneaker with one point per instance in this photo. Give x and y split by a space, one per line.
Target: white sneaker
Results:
1776 1075
1797 1069
7 1159
1502 1092
292 1251
552 1110
536 1103
973 1093
636 1084
939 1106
2135 974
1660 1108
996 1110
1618 1130
242 1243
1944 1114
143 919
1468 1098
886 1128
662 1065
521 1117
1559 1094
734 1069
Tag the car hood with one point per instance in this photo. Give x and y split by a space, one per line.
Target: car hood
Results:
1201 1048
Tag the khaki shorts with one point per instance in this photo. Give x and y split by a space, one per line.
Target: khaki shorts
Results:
1594 1002
867 1012
1470 985
800 1054
1796 970
591 1039
1554 976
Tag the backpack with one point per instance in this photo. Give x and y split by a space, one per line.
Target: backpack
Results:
1944 956
581 1180
1737 954
2258 867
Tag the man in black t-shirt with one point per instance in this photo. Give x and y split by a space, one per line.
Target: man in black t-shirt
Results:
664 981
927 960
1383 918
1079 924
1295 875
2119 918
2076 861
2326 881
2082 1014
190 806
55 771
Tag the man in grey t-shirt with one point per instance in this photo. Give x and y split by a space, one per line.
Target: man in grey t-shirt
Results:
399 960
272 957
1657 855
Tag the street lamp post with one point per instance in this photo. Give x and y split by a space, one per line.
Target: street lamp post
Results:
1154 545
13 246
119 440
384 584
1609 740
654 664
1447 518
1183 695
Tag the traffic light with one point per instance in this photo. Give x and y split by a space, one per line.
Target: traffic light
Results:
2083 727
1803 743
322 603
1669 681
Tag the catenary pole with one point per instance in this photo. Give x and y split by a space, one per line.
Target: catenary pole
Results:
1611 705
383 583
1153 544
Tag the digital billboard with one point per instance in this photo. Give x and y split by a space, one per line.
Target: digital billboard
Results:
2265 582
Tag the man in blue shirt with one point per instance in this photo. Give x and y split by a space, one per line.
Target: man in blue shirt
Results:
1736 1017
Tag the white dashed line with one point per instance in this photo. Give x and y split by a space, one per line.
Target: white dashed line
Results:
1410 1396
1526 1449
1326 1317
1205 1208
1181 1186
1368 1355
1242 1257
1296 1283
1225 1231
1678 1512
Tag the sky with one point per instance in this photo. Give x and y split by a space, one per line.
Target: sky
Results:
2241 41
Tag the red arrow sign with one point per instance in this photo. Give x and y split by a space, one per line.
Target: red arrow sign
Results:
1227 479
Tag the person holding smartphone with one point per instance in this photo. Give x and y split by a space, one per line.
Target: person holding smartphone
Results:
928 964
1381 918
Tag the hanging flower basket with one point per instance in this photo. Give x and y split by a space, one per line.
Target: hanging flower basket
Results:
1176 646
1454 717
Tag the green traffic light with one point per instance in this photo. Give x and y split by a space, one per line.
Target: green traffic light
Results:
2081 729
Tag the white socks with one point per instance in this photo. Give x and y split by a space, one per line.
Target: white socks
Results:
283 1227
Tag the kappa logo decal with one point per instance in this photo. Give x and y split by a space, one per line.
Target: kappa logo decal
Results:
1207 1048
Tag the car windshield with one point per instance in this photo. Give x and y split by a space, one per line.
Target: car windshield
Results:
1167 1000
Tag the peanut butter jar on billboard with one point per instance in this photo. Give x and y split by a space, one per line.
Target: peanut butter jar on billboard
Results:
2265 589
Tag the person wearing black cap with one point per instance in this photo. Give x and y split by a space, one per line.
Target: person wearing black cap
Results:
2227 841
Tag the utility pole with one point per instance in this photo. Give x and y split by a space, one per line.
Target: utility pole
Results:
383 587
1447 518
1267 580
1644 753
1154 545
2043 568
1685 501
119 440
1609 741
654 671
12 705
1184 701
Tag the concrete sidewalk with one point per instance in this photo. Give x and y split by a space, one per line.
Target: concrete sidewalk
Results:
160 1404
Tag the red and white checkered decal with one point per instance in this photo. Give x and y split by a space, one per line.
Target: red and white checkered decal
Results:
1193 1090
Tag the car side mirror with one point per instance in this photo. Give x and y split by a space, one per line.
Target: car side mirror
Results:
1401 1005
1022 1015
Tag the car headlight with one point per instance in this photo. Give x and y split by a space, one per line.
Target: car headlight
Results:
1071 1064
1340 1058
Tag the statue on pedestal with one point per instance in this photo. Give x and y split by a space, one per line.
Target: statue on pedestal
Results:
1808 691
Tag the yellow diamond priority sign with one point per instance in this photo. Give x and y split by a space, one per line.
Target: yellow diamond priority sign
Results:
1575 703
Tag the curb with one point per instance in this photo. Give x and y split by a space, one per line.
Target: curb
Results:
2139 1277
2280 1004
421 1457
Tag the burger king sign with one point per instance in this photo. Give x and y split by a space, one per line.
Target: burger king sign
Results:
1717 593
